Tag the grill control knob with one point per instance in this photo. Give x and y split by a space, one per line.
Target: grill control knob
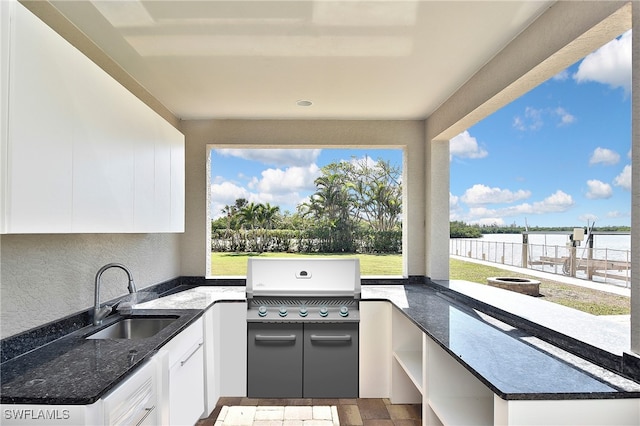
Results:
344 311
303 311
324 311
262 311
283 311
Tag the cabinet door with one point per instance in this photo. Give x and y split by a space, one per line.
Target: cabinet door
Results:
186 387
375 349
38 167
177 178
274 360
231 348
134 400
330 360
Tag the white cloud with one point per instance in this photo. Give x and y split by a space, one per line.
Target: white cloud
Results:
275 157
623 180
275 186
534 118
482 194
557 202
617 214
587 217
565 117
455 209
466 146
598 190
363 161
291 179
610 64
225 193
562 75
453 202
604 156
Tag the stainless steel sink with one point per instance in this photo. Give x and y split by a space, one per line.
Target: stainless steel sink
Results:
133 328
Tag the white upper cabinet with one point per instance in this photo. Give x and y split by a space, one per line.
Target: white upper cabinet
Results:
80 153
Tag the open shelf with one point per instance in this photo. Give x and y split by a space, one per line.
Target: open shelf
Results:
463 411
455 396
407 372
411 363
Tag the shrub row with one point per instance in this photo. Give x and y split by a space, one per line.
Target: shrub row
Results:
305 241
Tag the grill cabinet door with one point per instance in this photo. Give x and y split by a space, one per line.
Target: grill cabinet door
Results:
274 360
330 360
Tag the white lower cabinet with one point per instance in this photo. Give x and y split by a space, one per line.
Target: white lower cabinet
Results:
583 412
134 402
230 348
225 353
375 349
183 378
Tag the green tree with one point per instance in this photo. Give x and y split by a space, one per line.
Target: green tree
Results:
459 229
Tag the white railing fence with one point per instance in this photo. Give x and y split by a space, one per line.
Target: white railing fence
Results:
596 264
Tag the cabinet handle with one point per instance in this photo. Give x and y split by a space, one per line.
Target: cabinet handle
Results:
285 338
146 414
191 354
339 338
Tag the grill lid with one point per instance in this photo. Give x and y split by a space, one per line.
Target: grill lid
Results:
313 277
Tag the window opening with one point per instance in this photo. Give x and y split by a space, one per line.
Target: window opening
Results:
305 202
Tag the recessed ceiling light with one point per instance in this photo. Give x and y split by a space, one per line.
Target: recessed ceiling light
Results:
304 103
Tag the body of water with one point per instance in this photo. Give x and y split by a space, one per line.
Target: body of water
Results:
552 253
613 242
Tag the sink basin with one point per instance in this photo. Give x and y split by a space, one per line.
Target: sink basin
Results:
133 328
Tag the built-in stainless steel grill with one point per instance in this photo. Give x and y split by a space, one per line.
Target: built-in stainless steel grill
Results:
303 325
303 290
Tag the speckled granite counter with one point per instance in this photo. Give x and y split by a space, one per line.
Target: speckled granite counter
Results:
78 371
512 363
196 298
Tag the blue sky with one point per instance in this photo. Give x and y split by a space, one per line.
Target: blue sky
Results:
281 177
557 156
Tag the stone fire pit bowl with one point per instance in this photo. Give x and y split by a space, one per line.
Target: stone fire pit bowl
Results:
519 285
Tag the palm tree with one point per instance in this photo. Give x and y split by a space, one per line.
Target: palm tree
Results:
249 217
268 214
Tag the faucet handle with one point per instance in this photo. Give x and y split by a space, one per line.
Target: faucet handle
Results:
125 308
100 313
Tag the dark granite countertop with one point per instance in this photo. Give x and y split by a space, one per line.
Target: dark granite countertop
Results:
78 371
511 362
514 364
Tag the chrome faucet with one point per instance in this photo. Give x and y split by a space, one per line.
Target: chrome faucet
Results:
99 313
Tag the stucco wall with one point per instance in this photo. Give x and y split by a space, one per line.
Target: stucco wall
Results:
46 277
199 134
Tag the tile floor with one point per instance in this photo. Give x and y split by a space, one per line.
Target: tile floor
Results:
312 412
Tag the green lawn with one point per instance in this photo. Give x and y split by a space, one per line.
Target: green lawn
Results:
583 299
225 264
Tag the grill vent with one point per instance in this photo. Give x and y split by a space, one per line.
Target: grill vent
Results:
301 302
